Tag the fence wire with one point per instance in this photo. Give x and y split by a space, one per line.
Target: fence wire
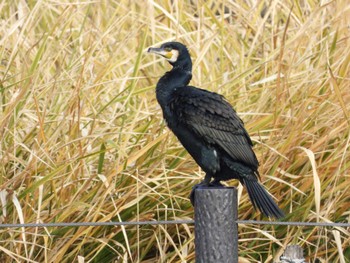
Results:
171 222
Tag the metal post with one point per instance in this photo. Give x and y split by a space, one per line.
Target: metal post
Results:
216 234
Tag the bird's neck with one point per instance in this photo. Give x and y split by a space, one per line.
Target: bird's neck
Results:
179 76
186 66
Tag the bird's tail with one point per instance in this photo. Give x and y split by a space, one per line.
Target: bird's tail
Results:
261 199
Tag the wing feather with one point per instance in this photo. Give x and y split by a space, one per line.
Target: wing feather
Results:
211 117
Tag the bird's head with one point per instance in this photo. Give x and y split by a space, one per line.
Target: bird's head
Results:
176 54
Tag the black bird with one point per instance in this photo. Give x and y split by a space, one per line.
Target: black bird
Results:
209 128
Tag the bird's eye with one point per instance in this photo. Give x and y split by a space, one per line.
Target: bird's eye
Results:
168 49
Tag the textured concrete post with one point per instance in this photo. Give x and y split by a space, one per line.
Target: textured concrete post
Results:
293 254
216 234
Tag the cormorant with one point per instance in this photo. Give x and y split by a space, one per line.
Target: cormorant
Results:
210 129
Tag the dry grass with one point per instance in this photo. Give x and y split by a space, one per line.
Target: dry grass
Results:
82 137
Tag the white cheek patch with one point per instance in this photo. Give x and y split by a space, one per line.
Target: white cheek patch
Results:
172 57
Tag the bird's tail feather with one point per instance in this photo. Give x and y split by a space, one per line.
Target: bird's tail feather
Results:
261 199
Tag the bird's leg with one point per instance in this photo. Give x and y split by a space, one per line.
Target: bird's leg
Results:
205 182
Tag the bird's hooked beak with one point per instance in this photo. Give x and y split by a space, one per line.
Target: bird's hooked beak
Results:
170 54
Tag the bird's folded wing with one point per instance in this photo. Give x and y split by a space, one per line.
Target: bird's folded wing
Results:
215 121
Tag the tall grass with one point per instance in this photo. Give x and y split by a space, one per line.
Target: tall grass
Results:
82 137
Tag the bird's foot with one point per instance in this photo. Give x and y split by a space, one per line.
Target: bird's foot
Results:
203 184
216 184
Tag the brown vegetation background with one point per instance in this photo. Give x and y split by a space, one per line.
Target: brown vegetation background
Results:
83 140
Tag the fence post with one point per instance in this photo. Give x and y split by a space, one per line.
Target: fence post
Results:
216 234
293 254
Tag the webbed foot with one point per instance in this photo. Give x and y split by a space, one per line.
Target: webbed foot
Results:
203 184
